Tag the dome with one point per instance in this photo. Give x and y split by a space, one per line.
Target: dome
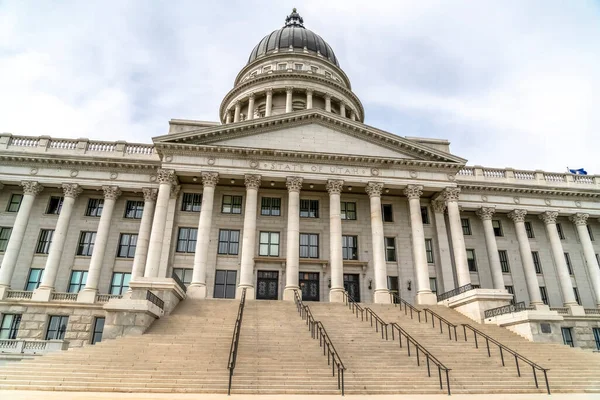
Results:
294 35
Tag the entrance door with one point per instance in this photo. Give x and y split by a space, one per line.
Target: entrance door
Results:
309 284
267 284
351 286
393 287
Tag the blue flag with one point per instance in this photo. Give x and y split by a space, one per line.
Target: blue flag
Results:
579 171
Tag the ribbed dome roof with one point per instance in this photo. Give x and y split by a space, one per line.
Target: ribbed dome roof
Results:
293 34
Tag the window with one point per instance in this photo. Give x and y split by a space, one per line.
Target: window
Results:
281 67
44 241
314 69
98 329
191 202
497 227
567 336
54 205
529 230
270 206
544 294
4 237
94 207
269 244
350 247
390 249
266 68
231 205
86 243
127 244
559 229
229 242
309 245
386 213
120 282
568 261
186 240
536 262
511 290
184 274
327 74
77 282
134 209
576 293
598 259
433 284
504 261
425 215
15 203
471 261
348 210
34 279
466 226
589 229
298 67
57 327
225 282
596 332
309 208
10 326
429 250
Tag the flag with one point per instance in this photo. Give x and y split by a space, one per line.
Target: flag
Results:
579 171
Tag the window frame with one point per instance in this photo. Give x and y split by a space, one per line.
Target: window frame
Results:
128 246
134 207
186 244
234 206
561 232
309 208
596 333
268 208
125 277
75 287
465 224
537 263
44 241
389 248
498 231
389 206
182 274
4 231
349 251
228 287
35 282
345 213
10 329
309 247
568 262
529 229
472 263
433 284
54 209
590 233
544 295
85 244
59 332
425 215
504 263
429 251
94 210
12 204
233 246
567 341
191 202
576 293
268 243
511 290
95 332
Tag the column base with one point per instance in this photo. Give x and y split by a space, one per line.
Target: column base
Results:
336 295
473 303
196 291
575 309
42 294
540 307
382 296
4 292
426 298
87 296
288 293
250 292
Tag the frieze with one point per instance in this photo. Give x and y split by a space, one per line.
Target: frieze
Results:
316 168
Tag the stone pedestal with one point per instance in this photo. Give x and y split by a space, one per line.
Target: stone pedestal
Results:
382 297
425 298
576 310
537 325
250 292
474 302
196 291
288 293
336 296
87 296
42 294
165 288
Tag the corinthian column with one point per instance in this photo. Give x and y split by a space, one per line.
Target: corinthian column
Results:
382 294
249 237
486 213
292 259
236 113
269 105
336 262
197 288
251 106
342 109
13 247
143 240
580 221
309 99
327 102
446 277
288 99
458 240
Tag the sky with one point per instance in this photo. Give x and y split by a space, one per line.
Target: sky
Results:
509 83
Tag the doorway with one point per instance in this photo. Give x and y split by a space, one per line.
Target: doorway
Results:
267 285
351 285
309 285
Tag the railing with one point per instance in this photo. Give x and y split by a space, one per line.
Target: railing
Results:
502 348
592 311
454 292
397 300
146 149
467 171
525 175
101 146
420 349
179 282
379 323
511 308
583 179
354 306
154 299
554 177
59 296
63 144
24 141
104 298
317 331
451 327
19 294
560 310
494 173
31 346
235 339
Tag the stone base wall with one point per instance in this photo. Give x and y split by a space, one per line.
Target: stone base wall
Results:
582 331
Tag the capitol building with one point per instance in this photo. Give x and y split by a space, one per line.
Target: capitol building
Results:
288 194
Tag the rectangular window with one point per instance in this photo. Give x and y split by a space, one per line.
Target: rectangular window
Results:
98 329
387 213
497 227
529 230
298 67
34 279
94 208
269 244
54 205
511 290
348 210
270 206
266 68
425 215
120 282
568 261
589 229
10 326
350 247
281 67
433 284
560 231
127 244
536 262
309 245
314 69
4 237
231 204
134 209
429 250
327 74
544 294
191 202
184 274
390 249
466 226
576 293
229 241
471 260
77 281
225 282
57 327
596 332
86 243
309 208
567 335
504 261
186 240
15 203
44 241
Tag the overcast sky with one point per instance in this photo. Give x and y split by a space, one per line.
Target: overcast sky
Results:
509 83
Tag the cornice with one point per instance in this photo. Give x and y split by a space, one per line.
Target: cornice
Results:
35 160
485 187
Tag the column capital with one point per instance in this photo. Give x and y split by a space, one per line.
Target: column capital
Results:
334 186
269 91
111 192
309 91
517 215
374 189
165 176
72 190
294 183
174 191
150 194
251 96
238 104
451 194
289 89
210 179
579 218
413 191
549 217
252 181
31 187
438 206
485 213
327 96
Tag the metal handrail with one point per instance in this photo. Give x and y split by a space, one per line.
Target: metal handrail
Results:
353 305
449 324
420 349
235 339
502 347
179 282
407 306
454 292
378 322
154 299
507 309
